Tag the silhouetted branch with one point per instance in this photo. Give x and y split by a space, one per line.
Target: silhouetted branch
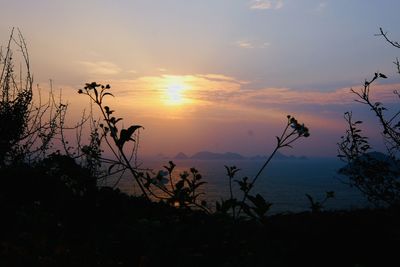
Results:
385 35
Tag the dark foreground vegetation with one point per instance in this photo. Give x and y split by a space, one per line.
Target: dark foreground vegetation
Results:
54 213
52 219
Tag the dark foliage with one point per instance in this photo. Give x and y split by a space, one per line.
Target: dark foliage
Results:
376 175
255 206
47 222
27 129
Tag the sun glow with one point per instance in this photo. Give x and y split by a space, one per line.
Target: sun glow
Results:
174 94
174 91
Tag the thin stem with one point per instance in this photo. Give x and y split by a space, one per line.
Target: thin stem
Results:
246 194
120 149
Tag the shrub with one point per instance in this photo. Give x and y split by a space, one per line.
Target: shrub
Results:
376 175
27 130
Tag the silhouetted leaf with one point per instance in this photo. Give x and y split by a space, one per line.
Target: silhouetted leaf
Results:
310 198
179 185
108 94
261 205
111 167
126 134
95 92
330 194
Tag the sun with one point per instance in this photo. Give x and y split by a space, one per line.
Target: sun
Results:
174 94
175 90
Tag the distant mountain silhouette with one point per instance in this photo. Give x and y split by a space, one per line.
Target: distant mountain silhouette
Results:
206 155
279 156
181 155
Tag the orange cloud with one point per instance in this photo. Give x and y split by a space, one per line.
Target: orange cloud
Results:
99 68
285 96
220 109
217 91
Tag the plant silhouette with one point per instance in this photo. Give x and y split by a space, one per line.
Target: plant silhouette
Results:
184 193
27 129
258 206
376 175
54 213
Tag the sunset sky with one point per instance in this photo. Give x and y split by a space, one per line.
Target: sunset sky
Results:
216 75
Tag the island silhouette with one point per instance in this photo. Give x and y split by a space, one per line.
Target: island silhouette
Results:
207 155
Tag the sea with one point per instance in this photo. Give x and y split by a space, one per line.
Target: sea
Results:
284 182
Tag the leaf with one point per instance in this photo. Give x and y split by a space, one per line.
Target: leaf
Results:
330 194
108 94
179 185
247 210
126 135
310 198
111 167
261 205
132 129
231 171
227 169
114 131
95 92
94 85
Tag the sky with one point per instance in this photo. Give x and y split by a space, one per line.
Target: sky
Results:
216 75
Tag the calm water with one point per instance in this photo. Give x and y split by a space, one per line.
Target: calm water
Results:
283 182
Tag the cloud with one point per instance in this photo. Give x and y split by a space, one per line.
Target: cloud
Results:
244 44
321 6
196 86
280 97
101 67
266 4
220 100
221 77
249 45
215 88
223 97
